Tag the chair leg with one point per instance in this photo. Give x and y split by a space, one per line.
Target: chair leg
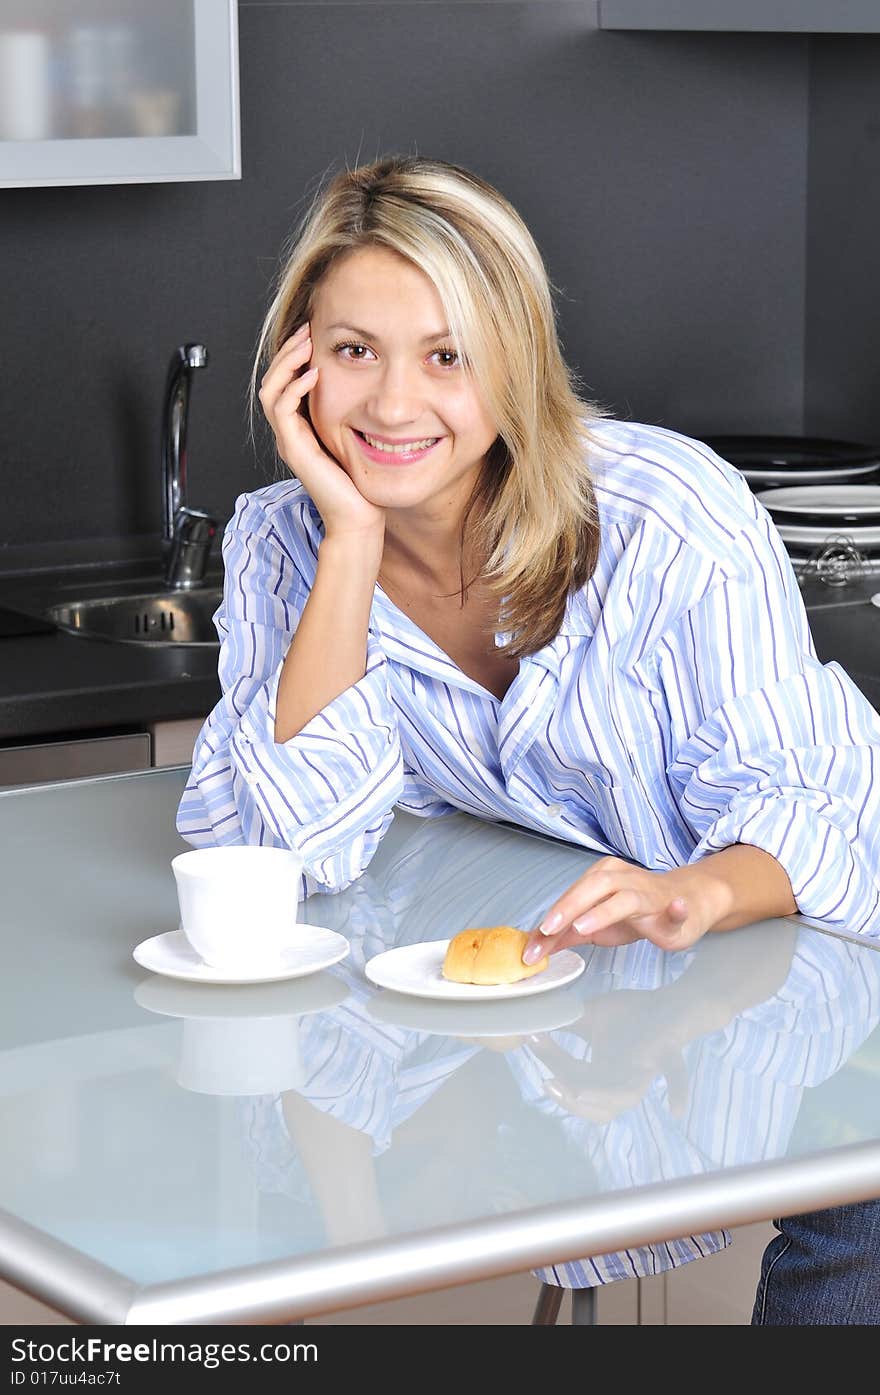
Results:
548 1305
583 1307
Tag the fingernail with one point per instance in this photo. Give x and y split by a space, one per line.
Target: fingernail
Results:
532 953
551 924
584 924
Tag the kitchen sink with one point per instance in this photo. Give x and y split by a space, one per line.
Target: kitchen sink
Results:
166 617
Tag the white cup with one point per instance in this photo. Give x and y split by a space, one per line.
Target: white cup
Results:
239 905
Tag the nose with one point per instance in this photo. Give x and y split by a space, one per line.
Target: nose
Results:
397 397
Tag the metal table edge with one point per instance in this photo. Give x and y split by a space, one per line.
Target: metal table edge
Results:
282 1291
77 781
56 1273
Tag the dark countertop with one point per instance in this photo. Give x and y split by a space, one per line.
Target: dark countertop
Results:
57 683
846 627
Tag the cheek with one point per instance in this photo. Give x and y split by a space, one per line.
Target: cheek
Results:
321 408
322 422
470 414
478 429
329 400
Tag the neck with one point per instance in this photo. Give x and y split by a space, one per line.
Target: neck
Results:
427 551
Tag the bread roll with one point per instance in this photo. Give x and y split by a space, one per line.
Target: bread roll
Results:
492 955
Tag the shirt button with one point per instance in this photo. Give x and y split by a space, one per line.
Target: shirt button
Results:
554 810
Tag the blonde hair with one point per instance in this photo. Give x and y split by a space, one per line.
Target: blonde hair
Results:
532 516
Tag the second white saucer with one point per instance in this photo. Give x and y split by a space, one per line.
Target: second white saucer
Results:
418 970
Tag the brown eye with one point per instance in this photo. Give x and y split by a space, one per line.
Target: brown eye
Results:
353 357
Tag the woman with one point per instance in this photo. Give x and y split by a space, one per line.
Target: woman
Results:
477 593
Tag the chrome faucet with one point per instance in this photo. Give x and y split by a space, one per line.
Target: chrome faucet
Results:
187 533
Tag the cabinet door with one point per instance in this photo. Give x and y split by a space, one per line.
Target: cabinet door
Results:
118 92
173 742
48 762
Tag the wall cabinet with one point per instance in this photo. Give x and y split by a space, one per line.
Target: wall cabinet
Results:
118 92
743 16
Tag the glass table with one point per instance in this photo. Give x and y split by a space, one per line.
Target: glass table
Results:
186 1153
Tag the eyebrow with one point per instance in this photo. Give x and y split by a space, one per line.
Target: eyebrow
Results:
365 333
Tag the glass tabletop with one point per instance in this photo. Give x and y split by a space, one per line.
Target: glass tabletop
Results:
189 1143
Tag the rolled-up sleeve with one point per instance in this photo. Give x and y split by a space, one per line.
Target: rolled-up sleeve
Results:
329 790
780 751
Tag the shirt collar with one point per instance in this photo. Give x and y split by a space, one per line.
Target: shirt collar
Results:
404 641
577 625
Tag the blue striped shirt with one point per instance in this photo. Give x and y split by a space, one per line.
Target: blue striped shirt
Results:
680 709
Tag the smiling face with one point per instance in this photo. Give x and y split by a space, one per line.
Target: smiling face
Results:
392 403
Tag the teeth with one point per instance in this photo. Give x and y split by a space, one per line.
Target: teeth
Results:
406 449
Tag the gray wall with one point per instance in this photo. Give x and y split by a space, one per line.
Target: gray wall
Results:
664 176
843 289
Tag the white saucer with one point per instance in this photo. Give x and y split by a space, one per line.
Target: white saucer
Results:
171 954
416 969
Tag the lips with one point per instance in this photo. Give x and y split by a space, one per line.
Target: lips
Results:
399 452
397 442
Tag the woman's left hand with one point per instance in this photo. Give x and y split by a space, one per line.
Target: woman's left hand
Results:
615 902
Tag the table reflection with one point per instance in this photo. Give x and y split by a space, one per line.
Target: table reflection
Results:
657 1065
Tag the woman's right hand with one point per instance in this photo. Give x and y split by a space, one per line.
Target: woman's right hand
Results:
342 507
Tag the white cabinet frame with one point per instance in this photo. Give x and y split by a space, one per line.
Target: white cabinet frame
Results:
214 152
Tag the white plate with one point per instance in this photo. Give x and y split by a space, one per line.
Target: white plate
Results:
816 474
171 954
862 537
457 1019
416 969
833 500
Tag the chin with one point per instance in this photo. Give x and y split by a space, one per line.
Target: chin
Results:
388 496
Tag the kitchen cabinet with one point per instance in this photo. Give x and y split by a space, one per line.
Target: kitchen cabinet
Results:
743 16
116 92
49 761
45 762
172 742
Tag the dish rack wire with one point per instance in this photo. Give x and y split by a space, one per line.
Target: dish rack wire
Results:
836 562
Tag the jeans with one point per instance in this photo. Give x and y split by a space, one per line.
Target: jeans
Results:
822 1269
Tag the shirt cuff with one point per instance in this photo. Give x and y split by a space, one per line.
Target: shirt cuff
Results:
830 882
329 790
